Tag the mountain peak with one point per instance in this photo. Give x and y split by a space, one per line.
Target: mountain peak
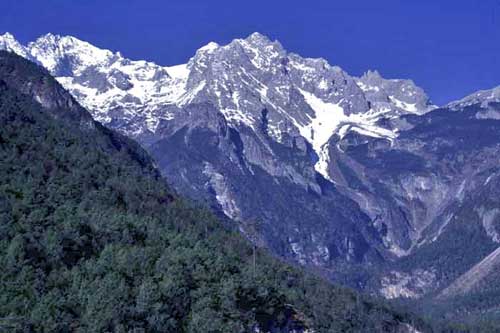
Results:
372 74
8 42
52 40
258 37
209 47
254 41
7 36
62 55
49 37
64 43
241 79
259 40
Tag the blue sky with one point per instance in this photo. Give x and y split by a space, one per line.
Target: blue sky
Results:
449 47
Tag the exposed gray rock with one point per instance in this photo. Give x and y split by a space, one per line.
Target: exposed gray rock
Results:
353 176
483 97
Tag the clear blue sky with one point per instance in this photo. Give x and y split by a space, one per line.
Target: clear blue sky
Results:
449 47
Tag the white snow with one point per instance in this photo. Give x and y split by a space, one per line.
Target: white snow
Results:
236 115
326 119
343 130
149 92
210 47
9 43
260 57
50 49
189 96
367 88
329 119
410 107
254 53
323 84
375 132
178 71
323 162
300 66
321 127
146 91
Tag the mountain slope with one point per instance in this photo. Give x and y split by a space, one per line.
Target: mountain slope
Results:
250 118
359 178
483 97
474 276
92 240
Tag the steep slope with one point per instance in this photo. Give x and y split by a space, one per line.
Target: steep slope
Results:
246 128
466 282
91 239
240 79
359 178
458 250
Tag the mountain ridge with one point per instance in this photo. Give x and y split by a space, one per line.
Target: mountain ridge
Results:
360 178
93 239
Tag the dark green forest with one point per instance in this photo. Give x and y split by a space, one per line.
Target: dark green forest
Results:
93 240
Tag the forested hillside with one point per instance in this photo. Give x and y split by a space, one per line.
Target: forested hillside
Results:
93 240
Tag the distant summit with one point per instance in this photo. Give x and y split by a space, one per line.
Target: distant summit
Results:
240 79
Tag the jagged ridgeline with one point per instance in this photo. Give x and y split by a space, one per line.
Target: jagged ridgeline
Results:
253 130
363 179
93 240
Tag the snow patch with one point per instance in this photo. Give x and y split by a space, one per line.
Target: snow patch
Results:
410 107
178 72
321 127
328 119
367 88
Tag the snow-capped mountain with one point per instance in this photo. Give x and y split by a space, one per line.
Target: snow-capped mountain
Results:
354 176
304 96
9 43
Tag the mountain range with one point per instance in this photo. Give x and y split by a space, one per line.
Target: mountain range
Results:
93 240
361 179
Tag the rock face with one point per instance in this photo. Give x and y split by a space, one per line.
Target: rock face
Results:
46 91
88 201
358 177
